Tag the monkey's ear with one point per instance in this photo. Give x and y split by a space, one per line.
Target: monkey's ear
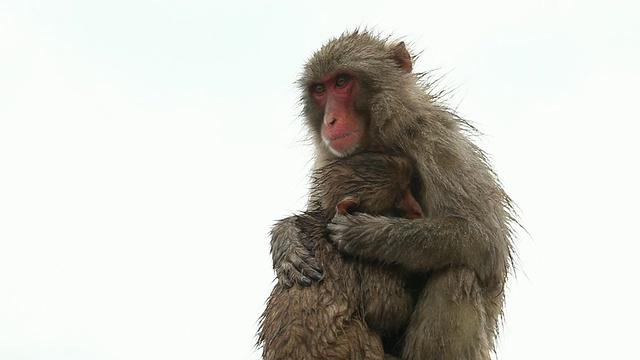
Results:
346 204
401 56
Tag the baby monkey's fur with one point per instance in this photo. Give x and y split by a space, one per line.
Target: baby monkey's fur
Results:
357 304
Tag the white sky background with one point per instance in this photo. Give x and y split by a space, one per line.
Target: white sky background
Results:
147 147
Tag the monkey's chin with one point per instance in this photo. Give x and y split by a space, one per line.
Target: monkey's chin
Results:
343 146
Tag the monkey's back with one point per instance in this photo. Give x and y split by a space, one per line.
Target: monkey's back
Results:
324 320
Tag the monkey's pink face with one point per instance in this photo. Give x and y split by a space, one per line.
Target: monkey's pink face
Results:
342 130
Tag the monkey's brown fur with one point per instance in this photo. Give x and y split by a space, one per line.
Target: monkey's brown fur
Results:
463 246
345 315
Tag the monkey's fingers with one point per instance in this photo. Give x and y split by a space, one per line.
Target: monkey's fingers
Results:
337 228
308 268
286 275
351 233
301 269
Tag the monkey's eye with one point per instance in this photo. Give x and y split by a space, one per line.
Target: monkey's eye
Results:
319 89
342 80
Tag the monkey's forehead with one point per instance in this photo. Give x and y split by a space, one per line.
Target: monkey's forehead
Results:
358 51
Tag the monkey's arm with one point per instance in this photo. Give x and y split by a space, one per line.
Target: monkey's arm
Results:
421 245
293 260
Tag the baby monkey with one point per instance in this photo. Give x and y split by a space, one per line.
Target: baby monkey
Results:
360 308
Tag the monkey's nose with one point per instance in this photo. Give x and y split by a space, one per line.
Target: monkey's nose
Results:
330 120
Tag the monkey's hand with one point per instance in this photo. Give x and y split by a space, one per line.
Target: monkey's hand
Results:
366 236
355 234
293 260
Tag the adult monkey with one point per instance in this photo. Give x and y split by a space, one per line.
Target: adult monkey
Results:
359 94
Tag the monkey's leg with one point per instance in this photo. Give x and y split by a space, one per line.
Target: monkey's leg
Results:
449 321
